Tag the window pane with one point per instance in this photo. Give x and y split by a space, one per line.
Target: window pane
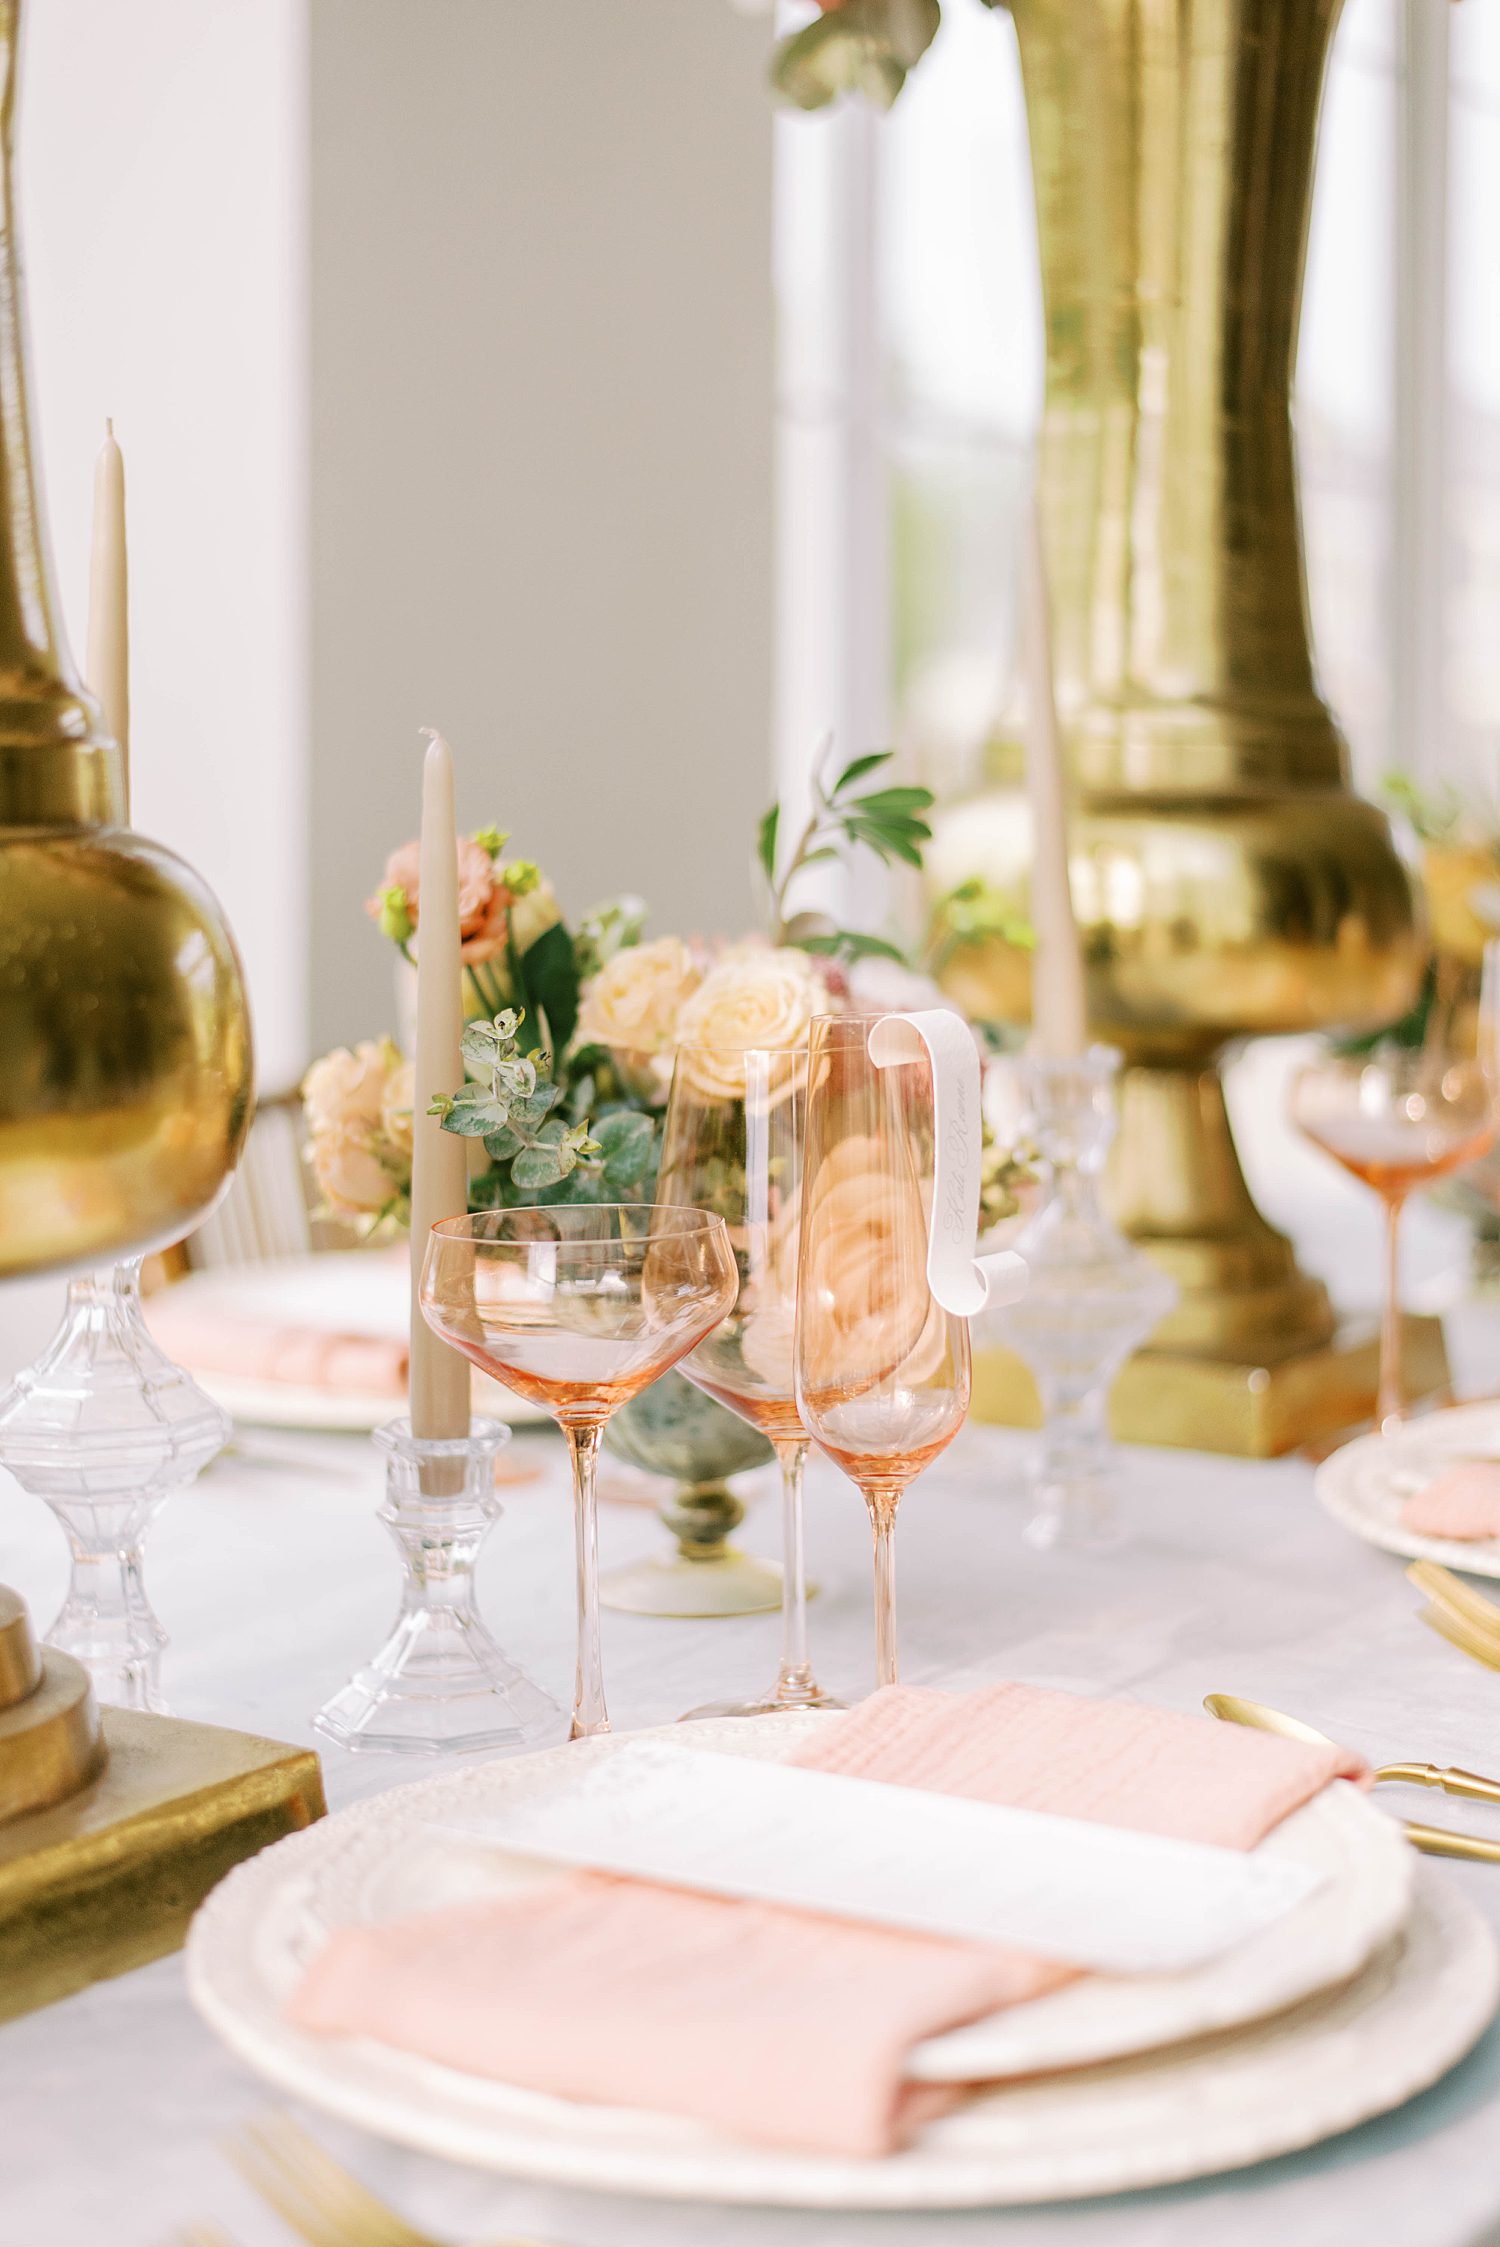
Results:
961 309
1345 391
1472 645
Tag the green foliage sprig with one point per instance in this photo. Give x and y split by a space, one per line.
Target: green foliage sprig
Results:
976 913
509 1102
886 821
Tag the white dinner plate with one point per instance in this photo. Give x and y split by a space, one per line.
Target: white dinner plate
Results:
361 1292
257 1933
1365 1483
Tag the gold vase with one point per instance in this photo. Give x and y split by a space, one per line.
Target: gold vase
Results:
125 1058
1228 882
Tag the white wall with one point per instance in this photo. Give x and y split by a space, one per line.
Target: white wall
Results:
437 334
162 173
162 164
542 481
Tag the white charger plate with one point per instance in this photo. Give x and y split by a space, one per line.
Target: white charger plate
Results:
337 1291
1364 1484
260 1929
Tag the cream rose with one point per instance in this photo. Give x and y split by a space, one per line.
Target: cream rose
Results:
396 1107
634 1002
353 1178
358 1108
346 1090
753 999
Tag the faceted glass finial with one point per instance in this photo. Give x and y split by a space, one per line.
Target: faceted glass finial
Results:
1092 1298
104 1428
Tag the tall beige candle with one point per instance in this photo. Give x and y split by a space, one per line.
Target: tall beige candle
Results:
439 1171
1059 1016
108 665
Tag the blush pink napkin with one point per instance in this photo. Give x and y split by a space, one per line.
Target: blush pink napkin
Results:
775 2024
1462 1502
257 1350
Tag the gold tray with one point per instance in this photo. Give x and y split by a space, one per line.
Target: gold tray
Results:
108 1879
1247 1411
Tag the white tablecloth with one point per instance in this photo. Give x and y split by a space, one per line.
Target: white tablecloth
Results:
274 1579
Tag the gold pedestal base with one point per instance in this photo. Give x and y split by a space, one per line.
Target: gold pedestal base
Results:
108 1879
1246 1410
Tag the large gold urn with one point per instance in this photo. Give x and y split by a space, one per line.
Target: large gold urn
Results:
125 1061
1228 881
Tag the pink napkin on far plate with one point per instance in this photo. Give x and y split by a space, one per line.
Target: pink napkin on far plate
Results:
1462 1502
206 1341
770 2023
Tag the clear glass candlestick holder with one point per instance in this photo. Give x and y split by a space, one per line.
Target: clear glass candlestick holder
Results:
441 1684
1091 1299
103 1428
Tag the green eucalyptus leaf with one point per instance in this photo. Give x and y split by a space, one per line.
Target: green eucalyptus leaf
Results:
625 1145
529 1114
474 1110
542 1165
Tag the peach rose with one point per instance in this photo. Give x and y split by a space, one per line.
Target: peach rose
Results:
864 1303
482 898
634 1002
754 998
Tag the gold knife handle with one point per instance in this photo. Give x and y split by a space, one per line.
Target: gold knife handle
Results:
1436 1841
1455 1781
1450 1779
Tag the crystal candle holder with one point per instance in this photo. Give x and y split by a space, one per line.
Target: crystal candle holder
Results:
441 1684
1091 1299
103 1428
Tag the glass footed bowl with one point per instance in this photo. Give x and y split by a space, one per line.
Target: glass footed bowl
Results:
673 1429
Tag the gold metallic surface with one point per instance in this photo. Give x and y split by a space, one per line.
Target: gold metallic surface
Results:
50 1743
20 1663
110 1879
124 1035
1445 1589
1227 881
1253 1409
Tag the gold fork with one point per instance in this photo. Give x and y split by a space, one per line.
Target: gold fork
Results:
1450 1592
1458 1613
316 2197
1450 1625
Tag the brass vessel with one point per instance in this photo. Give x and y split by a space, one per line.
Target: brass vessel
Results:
125 1056
1228 882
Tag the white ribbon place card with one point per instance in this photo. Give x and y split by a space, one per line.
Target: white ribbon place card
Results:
858 1849
962 1282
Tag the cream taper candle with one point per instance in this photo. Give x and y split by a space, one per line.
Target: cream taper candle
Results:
439 1168
108 666
1059 1015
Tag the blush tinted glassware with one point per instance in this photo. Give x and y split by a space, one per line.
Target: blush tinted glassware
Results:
882 1369
1397 1119
577 1309
732 1142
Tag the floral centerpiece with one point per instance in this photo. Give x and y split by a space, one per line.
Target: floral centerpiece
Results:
572 1030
